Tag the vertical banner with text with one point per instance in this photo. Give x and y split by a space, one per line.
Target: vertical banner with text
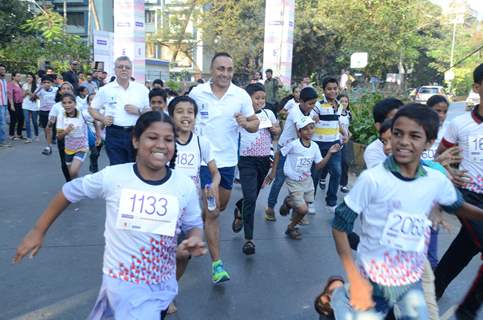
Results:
103 50
278 45
129 34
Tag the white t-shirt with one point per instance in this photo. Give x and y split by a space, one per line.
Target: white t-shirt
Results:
216 120
28 104
77 139
291 104
374 154
429 154
135 256
345 120
384 201
289 132
56 109
258 144
113 98
466 131
47 98
191 155
300 159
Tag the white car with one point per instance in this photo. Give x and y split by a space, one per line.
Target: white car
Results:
425 92
473 99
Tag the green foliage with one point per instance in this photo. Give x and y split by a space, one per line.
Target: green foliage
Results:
174 85
46 40
362 124
12 14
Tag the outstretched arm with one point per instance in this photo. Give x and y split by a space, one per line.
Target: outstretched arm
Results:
33 240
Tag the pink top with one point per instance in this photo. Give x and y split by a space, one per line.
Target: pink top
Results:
15 92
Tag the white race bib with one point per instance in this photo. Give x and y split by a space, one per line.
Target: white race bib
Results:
264 121
188 162
405 231
303 164
148 211
428 154
475 148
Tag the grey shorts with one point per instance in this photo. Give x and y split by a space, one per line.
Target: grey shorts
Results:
81 155
300 192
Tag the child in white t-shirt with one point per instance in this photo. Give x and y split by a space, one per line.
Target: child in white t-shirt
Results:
393 201
191 152
147 206
254 163
72 128
300 155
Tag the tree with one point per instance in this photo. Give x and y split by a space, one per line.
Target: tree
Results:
45 39
12 14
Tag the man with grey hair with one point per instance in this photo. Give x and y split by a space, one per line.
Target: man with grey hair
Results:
118 105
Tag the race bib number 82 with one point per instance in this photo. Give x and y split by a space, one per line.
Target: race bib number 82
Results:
147 211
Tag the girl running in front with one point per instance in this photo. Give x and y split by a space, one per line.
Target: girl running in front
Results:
147 206
254 164
191 151
72 128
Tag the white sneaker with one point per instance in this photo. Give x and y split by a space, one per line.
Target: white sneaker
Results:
311 208
331 209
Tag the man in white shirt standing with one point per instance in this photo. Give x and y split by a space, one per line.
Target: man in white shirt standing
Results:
223 109
124 101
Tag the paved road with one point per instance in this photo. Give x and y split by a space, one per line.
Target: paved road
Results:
279 282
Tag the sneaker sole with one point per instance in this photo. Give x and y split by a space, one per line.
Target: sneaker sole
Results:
222 279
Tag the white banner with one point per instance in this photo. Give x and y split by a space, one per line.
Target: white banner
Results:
129 34
278 45
103 49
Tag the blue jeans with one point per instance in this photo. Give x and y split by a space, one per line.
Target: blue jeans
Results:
35 121
277 183
433 248
334 167
409 306
3 122
119 145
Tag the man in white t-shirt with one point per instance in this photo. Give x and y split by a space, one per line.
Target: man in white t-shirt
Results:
223 109
466 131
124 101
384 109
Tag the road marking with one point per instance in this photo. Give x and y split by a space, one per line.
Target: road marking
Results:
449 313
54 310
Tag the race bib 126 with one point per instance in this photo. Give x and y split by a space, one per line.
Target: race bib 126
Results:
147 211
405 231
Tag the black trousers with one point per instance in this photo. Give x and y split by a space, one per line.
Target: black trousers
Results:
16 120
253 171
464 247
65 169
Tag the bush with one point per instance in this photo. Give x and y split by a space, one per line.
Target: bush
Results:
362 124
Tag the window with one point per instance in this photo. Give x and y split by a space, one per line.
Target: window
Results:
150 16
75 19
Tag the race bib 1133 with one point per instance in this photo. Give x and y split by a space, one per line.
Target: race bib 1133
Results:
148 211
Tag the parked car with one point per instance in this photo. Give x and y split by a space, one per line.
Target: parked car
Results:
425 92
473 99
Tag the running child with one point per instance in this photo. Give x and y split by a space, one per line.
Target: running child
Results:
345 118
191 151
140 254
393 201
308 98
466 132
157 100
54 112
72 128
46 94
300 155
254 164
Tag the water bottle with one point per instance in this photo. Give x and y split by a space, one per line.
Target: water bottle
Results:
210 199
